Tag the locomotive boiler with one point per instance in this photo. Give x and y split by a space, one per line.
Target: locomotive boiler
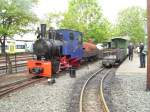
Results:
47 47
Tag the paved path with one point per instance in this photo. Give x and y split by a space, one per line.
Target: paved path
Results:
128 91
131 67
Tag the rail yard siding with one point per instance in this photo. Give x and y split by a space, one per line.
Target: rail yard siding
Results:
46 98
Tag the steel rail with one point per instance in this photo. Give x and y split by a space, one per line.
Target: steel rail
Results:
16 82
101 95
19 85
83 88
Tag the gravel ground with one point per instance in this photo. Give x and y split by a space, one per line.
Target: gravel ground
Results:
128 94
11 78
107 88
45 98
91 101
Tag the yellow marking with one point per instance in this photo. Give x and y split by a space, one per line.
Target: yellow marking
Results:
11 48
101 95
83 88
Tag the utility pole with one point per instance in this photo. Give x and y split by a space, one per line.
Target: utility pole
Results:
148 56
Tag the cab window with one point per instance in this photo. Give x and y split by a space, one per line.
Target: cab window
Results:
80 38
71 36
59 36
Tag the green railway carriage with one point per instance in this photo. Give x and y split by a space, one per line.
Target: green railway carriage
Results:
120 42
117 51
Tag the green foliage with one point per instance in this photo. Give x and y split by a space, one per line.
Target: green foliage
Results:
15 17
86 16
131 22
54 19
100 31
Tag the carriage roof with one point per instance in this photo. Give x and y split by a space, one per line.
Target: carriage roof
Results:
122 37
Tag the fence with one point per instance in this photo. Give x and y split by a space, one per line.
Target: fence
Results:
14 63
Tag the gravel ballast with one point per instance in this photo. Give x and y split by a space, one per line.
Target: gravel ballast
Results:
128 94
46 98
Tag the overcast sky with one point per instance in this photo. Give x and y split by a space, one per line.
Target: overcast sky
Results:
110 7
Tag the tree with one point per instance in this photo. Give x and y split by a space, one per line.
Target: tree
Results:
131 23
15 18
54 19
100 31
86 16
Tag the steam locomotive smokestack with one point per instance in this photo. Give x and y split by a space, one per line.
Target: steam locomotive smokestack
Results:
43 30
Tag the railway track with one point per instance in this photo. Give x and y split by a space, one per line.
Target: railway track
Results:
6 89
91 97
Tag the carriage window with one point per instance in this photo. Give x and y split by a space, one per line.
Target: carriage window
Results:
113 45
71 36
20 46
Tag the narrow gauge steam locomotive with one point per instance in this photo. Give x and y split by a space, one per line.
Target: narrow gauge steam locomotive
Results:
60 49
116 52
